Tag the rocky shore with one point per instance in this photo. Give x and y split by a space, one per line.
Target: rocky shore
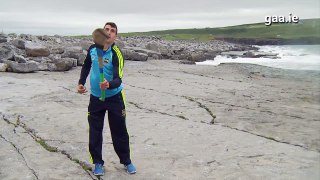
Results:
27 53
272 41
232 121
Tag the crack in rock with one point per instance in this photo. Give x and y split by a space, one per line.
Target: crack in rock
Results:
47 147
204 107
214 116
179 116
18 151
270 138
68 89
154 111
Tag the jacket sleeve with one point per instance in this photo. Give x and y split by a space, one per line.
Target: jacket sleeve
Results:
85 70
117 62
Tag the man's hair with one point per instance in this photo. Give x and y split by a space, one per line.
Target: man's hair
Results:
112 24
99 36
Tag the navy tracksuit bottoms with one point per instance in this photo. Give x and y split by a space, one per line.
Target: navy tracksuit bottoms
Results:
115 106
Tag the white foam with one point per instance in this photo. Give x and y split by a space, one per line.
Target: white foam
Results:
291 57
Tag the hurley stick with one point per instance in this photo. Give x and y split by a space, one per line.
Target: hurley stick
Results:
100 37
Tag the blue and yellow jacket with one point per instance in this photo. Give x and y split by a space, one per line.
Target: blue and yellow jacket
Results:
112 70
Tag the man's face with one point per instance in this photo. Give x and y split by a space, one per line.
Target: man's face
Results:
111 32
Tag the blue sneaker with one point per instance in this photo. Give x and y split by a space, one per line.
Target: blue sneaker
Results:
98 170
130 168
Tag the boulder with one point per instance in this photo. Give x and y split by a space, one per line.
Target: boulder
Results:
150 53
120 43
43 38
19 58
19 43
44 66
197 57
2 35
41 59
28 37
134 56
258 54
3 38
234 53
12 35
58 40
140 57
35 49
63 64
3 67
82 57
163 50
27 67
186 62
72 52
56 49
6 52
85 44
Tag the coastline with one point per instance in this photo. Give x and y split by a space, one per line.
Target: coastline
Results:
186 122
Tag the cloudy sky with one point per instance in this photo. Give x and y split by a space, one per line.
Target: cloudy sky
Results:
77 17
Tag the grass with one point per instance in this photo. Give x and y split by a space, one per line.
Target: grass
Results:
308 28
46 146
305 29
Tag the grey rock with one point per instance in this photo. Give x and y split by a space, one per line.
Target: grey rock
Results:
150 53
55 56
72 52
6 52
63 64
2 40
197 57
82 57
257 54
57 50
19 43
58 40
2 35
120 43
19 58
85 44
3 67
41 59
35 49
22 67
140 57
28 37
186 62
163 50
234 53
43 38
134 56
44 66
155 56
12 35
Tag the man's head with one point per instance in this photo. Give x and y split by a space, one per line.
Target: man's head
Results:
100 36
112 31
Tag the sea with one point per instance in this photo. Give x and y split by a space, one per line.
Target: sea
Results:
296 57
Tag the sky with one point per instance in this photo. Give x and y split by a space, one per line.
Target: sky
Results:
81 17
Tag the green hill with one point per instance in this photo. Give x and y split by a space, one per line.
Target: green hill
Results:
308 29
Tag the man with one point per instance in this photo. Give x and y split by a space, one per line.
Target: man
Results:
114 101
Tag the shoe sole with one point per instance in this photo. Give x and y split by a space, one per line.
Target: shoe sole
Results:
125 167
100 174
131 172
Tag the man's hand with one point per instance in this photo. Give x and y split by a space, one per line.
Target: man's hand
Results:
104 85
81 89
